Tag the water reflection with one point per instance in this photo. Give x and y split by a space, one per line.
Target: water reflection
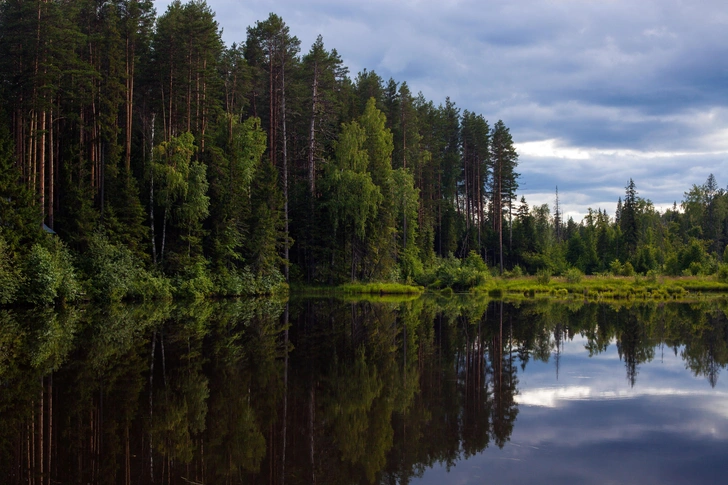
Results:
315 390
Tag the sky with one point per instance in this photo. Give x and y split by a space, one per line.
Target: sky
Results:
595 92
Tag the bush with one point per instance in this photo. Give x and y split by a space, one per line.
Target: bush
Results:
618 269
410 264
49 275
227 283
573 275
115 273
543 277
270 283
652 276
474 261
111 269
695 268
148 286
194 281
722 273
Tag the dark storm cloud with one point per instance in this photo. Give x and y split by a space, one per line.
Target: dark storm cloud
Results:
638 89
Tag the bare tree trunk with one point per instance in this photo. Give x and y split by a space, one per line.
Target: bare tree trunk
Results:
467 199
51 169
439 211
479 204
32 165
500 213
312 168
169 124
312 136
203 128
285 168
130 52
151 193
164 228
42 163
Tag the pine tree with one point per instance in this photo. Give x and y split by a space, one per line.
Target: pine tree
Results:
271 49
505 179
628 218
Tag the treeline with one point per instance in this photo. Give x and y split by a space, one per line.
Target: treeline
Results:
685 240
148 137
167 162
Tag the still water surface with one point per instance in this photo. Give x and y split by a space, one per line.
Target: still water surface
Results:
460 390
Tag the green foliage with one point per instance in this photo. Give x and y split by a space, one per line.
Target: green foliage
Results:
474 261
194 282
411 266
722 273
645 259
242 282
49 275
573 275
619 269
627 269
232 168
264 222
405 199
114 273
450 272
19 216
377 143
354 200
182 190
651 276
10 276
111 269
378 183
543 277
150 286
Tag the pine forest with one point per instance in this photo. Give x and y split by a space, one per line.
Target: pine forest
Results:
141 157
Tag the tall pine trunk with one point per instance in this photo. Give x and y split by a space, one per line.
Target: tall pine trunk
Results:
312 169
285 168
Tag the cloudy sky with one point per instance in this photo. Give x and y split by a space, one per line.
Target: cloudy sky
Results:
594 92
670 427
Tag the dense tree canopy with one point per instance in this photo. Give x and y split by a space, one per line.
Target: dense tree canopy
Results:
257 161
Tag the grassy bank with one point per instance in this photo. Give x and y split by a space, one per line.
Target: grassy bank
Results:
360 289
604 287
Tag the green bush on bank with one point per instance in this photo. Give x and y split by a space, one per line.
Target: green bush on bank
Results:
458 275
242 282
49 275
722 273
114 274
543 277
573 275
193 282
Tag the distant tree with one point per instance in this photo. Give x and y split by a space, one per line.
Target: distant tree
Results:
628 218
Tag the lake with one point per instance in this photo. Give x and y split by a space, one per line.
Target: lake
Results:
323 390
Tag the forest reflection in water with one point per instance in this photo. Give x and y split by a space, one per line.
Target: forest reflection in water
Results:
306 391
